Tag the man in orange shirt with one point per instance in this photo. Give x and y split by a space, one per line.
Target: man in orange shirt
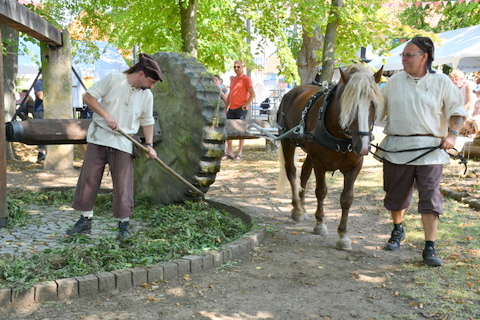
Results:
239 98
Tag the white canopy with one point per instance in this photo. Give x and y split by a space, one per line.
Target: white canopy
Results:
459 49
110 61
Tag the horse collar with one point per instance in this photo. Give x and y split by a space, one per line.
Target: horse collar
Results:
321 134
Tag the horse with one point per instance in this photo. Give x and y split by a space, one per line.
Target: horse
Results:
333 125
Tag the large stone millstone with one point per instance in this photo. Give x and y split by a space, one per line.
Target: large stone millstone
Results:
188 108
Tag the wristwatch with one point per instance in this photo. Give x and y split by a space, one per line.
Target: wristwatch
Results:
149 144
455 132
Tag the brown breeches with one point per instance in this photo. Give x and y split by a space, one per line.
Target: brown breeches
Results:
121 168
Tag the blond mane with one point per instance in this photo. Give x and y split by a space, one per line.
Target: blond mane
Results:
360 90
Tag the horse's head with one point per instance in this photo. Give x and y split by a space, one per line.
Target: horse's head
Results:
361 103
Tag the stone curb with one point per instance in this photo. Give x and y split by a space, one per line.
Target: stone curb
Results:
126 279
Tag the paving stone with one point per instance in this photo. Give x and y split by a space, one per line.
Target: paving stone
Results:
183 267
123 279
5 297
23 298
46 291
139 276
87 285
170 270
218 258
67 288
196 263
207 261
106 282
155 273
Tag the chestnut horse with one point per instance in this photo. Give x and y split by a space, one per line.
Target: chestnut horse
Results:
334 127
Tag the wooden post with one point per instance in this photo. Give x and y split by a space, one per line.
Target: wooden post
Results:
3 158
57 102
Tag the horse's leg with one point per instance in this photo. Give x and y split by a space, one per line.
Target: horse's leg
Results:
320 192
288 150
304 176
346 200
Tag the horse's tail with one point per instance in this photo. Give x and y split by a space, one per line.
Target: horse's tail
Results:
282 174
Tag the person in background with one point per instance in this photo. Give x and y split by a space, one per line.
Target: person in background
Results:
25 107
223 90
423 109
466 88
38 114
239 99
126 103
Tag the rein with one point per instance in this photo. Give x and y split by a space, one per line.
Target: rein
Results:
429 149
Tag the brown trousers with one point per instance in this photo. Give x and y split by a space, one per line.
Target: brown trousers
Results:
121 168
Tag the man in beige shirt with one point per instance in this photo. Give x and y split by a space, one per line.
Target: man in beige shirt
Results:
424 109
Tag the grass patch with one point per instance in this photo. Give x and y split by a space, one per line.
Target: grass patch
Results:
453 290
170 232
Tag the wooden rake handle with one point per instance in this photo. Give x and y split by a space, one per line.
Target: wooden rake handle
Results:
163 165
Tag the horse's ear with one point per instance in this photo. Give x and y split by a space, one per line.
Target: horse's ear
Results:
343 76
378 75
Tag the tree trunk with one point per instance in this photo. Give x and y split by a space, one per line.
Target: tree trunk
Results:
328 61
188 14
10 69
307 60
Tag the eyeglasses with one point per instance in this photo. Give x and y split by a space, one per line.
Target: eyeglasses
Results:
236 67
409 55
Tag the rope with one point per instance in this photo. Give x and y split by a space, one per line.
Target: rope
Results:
429 149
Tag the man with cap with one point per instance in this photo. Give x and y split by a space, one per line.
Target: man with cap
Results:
424 109
126 103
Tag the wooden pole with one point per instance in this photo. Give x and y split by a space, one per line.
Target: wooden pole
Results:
3 157
163 165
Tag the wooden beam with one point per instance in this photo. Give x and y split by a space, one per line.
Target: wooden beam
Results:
3 158
17 16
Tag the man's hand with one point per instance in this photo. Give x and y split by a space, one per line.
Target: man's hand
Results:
152 154
449 141
112 123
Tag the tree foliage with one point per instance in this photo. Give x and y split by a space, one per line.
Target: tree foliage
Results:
450 16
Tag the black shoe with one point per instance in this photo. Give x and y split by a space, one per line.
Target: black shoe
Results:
83 226
123 230
430 257
395 240
40 157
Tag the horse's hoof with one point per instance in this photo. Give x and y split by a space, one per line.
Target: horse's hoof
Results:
344 244
298 217
321 230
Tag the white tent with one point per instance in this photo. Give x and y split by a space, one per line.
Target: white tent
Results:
459 49
110 61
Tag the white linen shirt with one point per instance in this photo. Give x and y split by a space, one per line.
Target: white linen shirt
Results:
131 108
422 108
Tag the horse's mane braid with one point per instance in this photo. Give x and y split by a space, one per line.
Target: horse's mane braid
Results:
360 90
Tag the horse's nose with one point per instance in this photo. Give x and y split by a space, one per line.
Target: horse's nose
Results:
363 148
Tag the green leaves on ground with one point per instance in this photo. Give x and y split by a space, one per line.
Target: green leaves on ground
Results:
167 232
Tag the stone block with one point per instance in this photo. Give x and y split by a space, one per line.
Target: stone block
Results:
5 297
183 267
155 273
106 282
227 253
67 288
218 258
170 271
23 298
196 263
87 285
207 261
123 279
139 276
46 291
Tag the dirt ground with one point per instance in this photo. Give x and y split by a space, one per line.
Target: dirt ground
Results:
293 275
